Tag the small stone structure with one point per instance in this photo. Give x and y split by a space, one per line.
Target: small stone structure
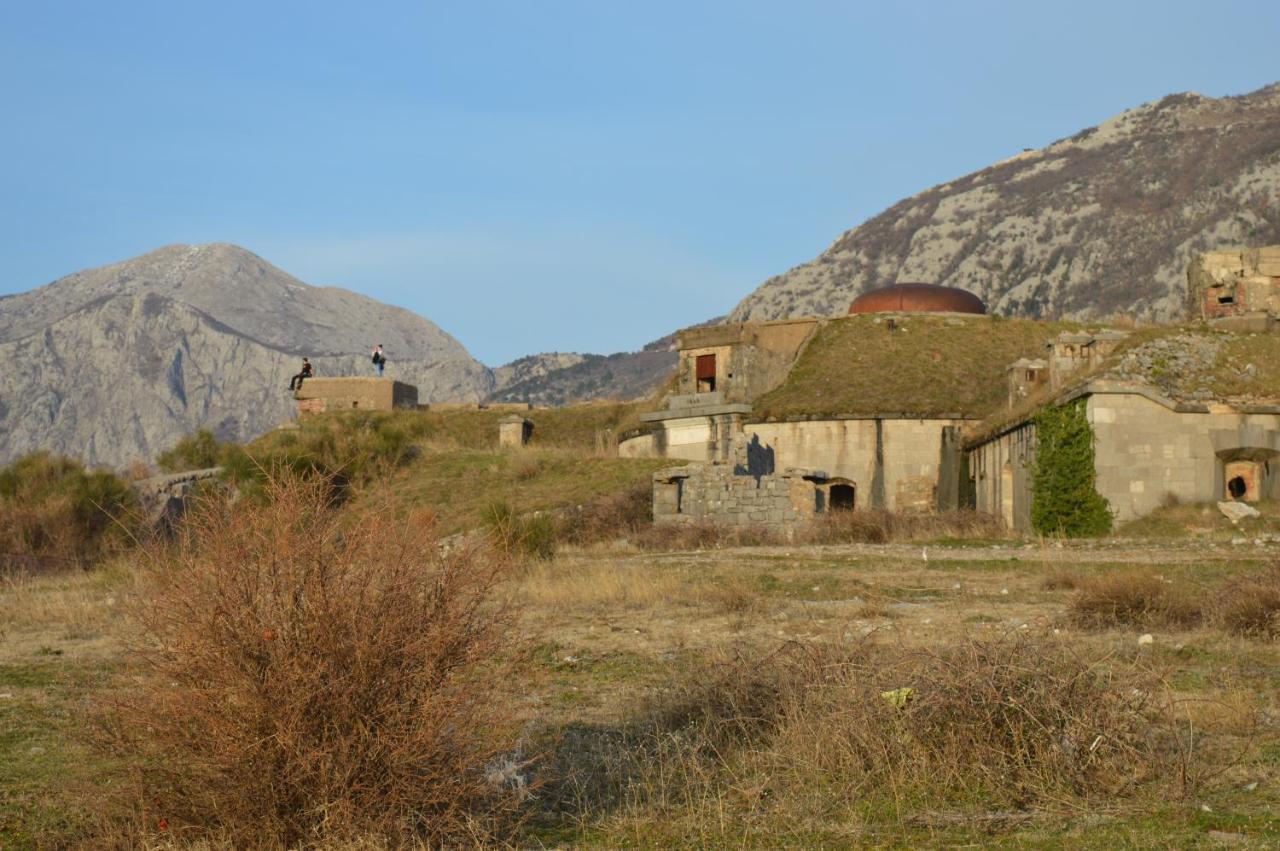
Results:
1238 288
1072 352
324 395
718 495
1025 377
164 498
514 431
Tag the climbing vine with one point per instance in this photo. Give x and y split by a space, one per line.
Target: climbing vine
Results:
1065 498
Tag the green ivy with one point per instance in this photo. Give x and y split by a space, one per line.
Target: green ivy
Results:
1065 498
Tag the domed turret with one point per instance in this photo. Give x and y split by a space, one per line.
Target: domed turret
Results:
917 298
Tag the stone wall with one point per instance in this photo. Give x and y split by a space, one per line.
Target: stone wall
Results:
1239 287
320 395
1146 452
751 358
1000 471
716 494
892 463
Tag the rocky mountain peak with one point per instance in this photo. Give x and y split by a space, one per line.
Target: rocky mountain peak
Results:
1102 222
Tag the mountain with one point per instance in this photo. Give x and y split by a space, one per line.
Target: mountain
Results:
579 378
117 363
1101 223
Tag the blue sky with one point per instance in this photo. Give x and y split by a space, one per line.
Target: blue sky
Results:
555 175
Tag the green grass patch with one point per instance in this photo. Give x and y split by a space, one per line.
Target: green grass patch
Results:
929 365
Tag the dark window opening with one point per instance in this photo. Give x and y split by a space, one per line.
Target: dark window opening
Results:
1236 487
842 497
679 496
705 372
1226 299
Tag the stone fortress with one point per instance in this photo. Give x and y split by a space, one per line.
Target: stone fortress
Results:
743 466
1151 445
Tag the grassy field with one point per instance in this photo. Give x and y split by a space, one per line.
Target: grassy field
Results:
620 637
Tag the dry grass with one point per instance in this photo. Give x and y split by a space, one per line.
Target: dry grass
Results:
1138 599
1250 605
702 536
876 526
301 674
877 735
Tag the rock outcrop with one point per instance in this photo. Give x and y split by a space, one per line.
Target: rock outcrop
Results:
1101 223
117 363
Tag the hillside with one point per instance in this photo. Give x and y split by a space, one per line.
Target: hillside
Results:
1101 223
929 365
623 376
448 460
119 362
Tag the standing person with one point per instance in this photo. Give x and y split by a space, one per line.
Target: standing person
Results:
379 359
295 383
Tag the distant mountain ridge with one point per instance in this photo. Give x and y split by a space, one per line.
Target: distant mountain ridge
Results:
119 362
1101 223
115 364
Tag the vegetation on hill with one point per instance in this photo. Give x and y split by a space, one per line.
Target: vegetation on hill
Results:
927 365
54 512
445 459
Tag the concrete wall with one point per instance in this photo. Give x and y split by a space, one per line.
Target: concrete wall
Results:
751 358
319 395
1145 451
893 463
638 446
715 494
1000 472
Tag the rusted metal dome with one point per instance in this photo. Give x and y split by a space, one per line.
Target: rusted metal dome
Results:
917 298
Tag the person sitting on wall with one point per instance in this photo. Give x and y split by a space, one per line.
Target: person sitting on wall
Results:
379 359
295 383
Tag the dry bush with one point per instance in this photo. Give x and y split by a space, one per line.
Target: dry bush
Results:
520 535
55 513
609 517
703 536
1250 605
301 674
877 526
1133 599
1008 723
1061 579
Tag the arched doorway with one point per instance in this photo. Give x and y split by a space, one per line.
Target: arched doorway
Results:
842 497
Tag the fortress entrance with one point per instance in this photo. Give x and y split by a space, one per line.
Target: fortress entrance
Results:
705 367
842 497
1243 480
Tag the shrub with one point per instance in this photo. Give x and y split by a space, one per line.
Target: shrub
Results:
54 512
198 451
1064 498
342 449
530 535
1250 605
1133 599
303 676
616 515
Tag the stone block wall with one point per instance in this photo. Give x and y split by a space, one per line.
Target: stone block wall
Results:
1145 452
715 494
1234 285
320 395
